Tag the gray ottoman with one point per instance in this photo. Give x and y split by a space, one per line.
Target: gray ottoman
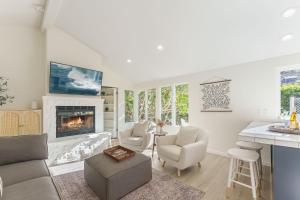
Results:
112 180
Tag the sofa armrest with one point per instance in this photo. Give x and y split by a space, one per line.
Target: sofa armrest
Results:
193 153
166 140
23 148
125 133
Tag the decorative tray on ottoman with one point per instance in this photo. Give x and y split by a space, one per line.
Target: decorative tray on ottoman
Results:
119 153
283 129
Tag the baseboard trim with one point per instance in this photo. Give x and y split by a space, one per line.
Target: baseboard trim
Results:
224 154
217 152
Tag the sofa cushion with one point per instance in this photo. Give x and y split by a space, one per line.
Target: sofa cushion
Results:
140 129
133 141
23 148
170 151
36 189
23 171
186 135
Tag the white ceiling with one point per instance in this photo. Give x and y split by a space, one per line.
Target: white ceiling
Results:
196 35
20 12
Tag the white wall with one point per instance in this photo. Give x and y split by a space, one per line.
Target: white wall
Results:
22 55
25 53
254 96
62 47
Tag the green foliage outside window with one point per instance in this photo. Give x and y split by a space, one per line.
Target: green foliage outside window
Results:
142 105
182 103
129 106
287 91
151 104
166 104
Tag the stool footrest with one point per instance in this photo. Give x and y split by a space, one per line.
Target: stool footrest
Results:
246 175
243 184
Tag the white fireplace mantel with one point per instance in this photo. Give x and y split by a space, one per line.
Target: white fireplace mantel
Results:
49 111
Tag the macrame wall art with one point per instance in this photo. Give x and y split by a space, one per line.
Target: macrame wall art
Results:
216 95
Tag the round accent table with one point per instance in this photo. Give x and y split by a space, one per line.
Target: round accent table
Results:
157 134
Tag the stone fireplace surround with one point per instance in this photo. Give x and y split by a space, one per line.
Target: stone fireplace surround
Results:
49 112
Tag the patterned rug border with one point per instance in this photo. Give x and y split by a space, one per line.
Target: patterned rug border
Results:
181 190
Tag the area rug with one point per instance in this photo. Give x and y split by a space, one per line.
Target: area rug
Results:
72 186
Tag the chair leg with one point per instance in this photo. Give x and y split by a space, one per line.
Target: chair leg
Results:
229 181
199 164
241 164
260 163
253 182
164 163
228 193
178 172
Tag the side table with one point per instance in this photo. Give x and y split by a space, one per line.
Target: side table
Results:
157 134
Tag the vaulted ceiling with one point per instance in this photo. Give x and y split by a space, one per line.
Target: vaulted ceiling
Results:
21 12
196 35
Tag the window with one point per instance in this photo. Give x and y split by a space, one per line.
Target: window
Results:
173 103
129 106
166 104
151 108
142 105
182 104
289 91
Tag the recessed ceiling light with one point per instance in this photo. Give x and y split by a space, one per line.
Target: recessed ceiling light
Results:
289 12
160 48
129 61
287 37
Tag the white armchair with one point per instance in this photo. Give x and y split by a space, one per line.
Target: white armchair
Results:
183 150
137 138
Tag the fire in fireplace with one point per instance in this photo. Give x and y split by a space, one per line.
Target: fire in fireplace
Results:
74 120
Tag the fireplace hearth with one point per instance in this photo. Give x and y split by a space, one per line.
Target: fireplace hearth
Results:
74 120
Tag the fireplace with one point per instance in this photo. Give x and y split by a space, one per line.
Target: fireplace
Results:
74 120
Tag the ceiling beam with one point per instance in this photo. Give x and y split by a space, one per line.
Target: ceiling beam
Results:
51 12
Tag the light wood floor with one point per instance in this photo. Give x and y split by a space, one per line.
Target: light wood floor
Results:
212 178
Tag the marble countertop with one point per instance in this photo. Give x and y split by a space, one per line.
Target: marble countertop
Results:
258 132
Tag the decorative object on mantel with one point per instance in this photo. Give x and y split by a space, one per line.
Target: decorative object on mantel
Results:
284 129
216 95
4 97
160 124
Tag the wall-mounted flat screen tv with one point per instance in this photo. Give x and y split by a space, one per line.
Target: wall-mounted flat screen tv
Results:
67 79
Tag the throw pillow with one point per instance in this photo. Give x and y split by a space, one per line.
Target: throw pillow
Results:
186 135
139 129
1 188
